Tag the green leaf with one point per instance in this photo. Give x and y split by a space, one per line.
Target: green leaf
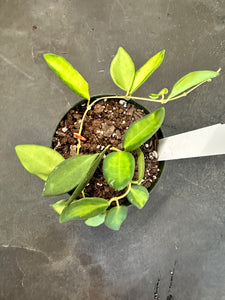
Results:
115 217
65 71
146 70
38 160
156 96
59 206
143 129
84 208
141 165
190 80
88 176
68 174
95 221
138 196
118 169
122 70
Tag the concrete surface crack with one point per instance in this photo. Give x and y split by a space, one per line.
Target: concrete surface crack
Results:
27 249
11 64
23 273
192 182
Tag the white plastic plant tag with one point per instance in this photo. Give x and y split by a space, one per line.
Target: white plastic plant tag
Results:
206 141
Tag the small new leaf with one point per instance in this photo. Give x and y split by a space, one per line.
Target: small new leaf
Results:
84 208
122 70
190 80
146 70
143 129
156 96
118 169
59 206
138 196
65 71
68 174
95 221
115 217
38 160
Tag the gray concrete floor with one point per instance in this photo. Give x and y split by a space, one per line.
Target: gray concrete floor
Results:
182 228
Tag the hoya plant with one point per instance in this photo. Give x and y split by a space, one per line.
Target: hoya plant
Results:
73 174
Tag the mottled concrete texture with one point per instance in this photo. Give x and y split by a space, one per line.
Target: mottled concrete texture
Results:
182 228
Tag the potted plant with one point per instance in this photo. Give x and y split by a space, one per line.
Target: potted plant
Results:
97 151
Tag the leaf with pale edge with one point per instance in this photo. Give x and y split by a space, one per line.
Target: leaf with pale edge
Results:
146 70
65 71
95 221
84 208
115 217
190 80
38 160
122 70
138 195
59 206
68 174
143 129
118 169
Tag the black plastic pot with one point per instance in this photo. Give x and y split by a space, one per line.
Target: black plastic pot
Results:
159 132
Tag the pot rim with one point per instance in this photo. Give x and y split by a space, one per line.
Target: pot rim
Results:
138 105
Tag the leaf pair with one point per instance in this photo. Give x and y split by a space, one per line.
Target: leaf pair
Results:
123 73
60 175
84 208
93 210
90 209
113 218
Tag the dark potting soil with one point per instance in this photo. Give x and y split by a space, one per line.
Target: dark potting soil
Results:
106 123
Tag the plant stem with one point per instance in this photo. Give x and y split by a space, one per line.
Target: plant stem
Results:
120 197
115 149
81 126
146 99
135 182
